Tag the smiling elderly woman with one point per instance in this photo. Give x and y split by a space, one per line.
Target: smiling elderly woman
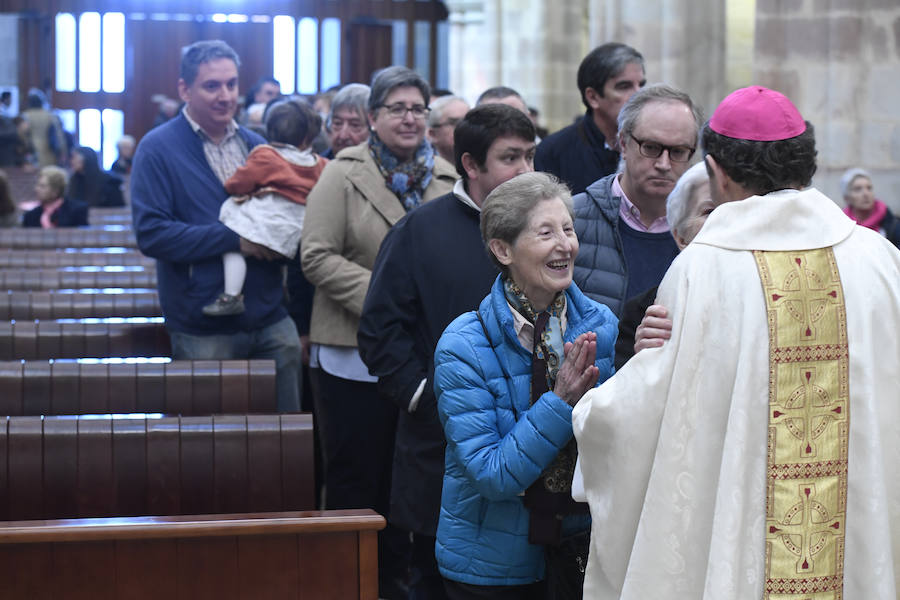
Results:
510 456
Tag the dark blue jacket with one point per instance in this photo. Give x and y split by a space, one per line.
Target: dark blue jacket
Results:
432 267
175 198
71 213
577 154
492 457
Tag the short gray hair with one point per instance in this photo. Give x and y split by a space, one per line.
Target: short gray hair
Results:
203 52
353 96
438 106
385 80
658 92
849 176
679 202
57 178
505 211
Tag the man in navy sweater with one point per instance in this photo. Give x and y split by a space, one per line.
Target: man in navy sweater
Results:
587 150
432 267
177 189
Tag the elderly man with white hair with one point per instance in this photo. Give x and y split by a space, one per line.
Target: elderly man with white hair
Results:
446 112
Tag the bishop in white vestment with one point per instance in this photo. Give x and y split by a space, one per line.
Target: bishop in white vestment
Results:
756 454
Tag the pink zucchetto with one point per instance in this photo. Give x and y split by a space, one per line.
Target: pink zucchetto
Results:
758 114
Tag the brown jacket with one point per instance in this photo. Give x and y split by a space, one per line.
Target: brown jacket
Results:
348 213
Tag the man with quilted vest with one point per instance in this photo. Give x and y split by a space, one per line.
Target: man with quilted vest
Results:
620 219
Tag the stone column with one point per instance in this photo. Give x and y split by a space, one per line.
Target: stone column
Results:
839 61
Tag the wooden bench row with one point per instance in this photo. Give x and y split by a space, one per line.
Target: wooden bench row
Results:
83 338
35 238
300 556
66 304
180 387
71 257
76 278
138 465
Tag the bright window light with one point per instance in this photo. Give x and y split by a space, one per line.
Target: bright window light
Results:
331 53
114 52
220 18
284 62
422 49
68 119
234 18
442 77
113 129
65 52
307 56
89 128
89 52
398 43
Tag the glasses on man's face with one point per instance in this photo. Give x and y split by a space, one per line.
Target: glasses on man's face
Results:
356 127
655 150
399 110
452 123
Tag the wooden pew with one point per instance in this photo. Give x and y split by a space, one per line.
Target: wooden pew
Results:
71 257
328 555
36 238
181 387
87 466
77 278
69 304
84 338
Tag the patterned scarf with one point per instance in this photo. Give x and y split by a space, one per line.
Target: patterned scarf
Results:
550 348
408 179
557 477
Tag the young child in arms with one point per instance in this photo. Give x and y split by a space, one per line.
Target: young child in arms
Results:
268 195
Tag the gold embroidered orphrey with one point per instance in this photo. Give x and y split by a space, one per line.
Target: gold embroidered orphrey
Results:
808 431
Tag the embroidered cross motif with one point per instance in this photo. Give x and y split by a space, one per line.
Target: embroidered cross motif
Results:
796 296
794 529
807 413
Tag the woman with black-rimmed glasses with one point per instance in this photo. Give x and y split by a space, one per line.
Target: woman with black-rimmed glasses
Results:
363 192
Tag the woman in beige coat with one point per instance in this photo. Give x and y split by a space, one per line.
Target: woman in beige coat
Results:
362 192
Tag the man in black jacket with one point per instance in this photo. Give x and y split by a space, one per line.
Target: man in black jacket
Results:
432 267
587 150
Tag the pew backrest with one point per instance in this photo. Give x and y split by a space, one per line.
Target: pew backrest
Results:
180 387
140 465
84 338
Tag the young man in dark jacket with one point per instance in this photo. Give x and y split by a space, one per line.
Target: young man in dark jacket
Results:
432 267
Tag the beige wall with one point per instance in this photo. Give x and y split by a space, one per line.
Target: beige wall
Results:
838 60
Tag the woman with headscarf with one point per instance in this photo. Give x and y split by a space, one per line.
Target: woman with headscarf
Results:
90 184
506 378
361 193
864 208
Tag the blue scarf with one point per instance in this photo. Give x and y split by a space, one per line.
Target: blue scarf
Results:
407 179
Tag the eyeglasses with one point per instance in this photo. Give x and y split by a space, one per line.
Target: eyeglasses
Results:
399 110
335 125
448 123
655 150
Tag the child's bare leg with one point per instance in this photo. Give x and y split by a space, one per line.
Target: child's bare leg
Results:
235 272
231 302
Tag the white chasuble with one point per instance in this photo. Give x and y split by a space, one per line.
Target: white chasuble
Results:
726 466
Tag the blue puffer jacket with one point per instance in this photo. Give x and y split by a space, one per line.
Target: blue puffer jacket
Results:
491 457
